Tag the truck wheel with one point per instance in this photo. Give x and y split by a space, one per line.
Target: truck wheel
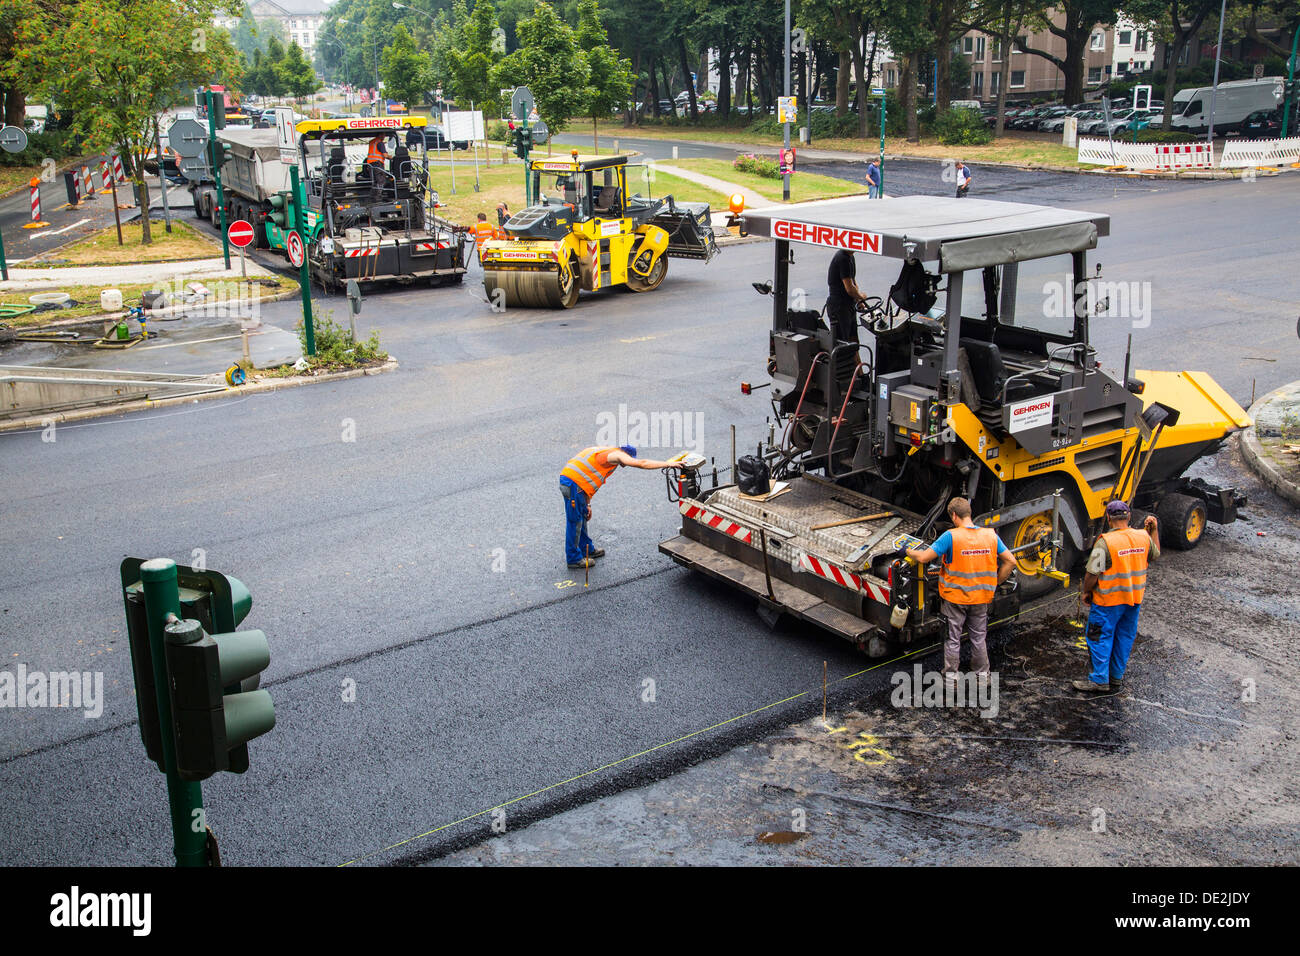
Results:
1182 521
653 280
1037 527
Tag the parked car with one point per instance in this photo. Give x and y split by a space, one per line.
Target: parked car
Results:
1056 112
666 107
1262 124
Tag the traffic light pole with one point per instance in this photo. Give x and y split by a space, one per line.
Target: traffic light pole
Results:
528 182
1288 101
216 172
162 605
785 179
304 275
883 101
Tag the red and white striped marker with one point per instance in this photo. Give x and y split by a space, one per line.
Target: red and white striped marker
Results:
87 183
105 177
119 175
36 222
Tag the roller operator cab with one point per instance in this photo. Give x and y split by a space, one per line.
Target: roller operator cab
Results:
585 231
972 375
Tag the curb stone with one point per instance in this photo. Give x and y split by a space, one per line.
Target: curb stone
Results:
253 387
1253 452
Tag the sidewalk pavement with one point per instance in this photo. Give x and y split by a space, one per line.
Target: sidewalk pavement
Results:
55 278
1265 446
752 198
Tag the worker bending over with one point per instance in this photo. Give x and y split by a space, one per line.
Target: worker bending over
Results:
843 296
1114 582
975 562
581 478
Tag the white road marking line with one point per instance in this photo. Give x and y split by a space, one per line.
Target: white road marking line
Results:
46 235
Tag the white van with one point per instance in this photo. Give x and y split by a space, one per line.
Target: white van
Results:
1233 102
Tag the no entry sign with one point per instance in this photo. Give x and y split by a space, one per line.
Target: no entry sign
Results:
240 233
293 245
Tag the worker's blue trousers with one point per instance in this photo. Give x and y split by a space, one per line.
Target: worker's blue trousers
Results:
576 543
1111 633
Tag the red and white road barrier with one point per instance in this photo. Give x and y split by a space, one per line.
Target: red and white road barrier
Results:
119 175
1184 156
843 577
716 521
87 183
105 176
36 201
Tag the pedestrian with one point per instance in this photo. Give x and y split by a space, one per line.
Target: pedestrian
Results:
843 296
582 477
975 562
1114 583
483 231
963 179
873 180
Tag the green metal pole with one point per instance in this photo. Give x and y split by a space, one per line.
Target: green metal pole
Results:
216 173
304 278
1290 84
4 264
162 603
528 182
882 147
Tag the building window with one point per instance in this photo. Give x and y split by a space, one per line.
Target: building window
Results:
977 84
893 81
1140 42
995 83
997 51
1125 38
979 49
1017 79
967 44
1094 74
1099 41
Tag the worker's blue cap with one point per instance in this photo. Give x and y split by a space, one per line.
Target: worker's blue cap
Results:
1117 509
629 449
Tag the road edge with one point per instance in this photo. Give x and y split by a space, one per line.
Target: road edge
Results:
1253 452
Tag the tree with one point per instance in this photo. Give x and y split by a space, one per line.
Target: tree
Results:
13 84
298 76
1077 18
1177 22
1006 19
251 35
115 66
470 62
404 69
550 64
609 77
272 77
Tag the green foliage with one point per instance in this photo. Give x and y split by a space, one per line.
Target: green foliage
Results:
609 77
550 64
1164 136
758 165
335 347
405 70
57 145
471 59
961 127
498 131
298 76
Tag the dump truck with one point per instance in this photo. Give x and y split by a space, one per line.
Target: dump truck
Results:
586 232
968 377
365 222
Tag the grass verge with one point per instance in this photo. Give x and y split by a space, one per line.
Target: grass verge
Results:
803 186
87 297
101 249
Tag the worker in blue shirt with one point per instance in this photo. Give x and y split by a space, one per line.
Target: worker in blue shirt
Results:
873 180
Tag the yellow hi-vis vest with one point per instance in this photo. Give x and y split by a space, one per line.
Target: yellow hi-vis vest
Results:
590 468
971 576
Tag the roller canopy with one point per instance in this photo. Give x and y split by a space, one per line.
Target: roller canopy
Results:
960 233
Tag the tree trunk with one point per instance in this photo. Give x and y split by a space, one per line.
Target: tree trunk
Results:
842 77
908 76
686 79
1075 47
749 79
942 80
595 136
142 191
1005 71
15 106
724 80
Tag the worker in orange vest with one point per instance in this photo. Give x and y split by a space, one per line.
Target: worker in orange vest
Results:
1114 583
483 231
375 164
975 562
582 477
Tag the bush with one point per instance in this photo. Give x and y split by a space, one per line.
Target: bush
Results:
1161 136
56 145
962 127
758 165
335 347
498 131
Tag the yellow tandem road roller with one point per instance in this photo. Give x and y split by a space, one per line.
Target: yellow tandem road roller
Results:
585 232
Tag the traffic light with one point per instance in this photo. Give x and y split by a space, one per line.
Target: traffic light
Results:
218 154
211 670
523 142
282 210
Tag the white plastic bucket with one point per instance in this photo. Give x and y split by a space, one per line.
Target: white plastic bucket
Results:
110 300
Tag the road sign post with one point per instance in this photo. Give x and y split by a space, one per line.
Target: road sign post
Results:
212 103
521 105
240 235
304 272
880 91
785 135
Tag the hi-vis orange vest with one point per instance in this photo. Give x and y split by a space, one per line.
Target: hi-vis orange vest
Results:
971 576
590 468
373 155
484 231
1125 581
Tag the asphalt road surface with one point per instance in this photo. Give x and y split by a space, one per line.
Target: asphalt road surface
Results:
403 532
